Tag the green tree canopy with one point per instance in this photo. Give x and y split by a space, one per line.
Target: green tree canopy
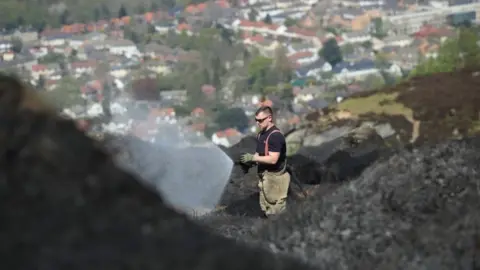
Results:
331 52
232 118
122 12
257 72
455 53
66 94
267 19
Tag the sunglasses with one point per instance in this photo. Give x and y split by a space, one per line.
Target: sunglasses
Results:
261 120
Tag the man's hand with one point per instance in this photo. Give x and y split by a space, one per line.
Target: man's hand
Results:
246 158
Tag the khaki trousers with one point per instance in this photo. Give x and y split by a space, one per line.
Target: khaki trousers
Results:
273 192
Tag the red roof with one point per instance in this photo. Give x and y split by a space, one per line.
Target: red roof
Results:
337 38
184 27
39 67
84 64
260 24
162 112
302 32
208 89
229 132
195 8
257 38
299 55
429 30
198 110
198 127
223 3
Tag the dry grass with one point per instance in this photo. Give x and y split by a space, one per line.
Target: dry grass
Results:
378 103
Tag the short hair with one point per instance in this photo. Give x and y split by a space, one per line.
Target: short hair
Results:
265 109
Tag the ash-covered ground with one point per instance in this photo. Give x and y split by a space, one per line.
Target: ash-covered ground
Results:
368 206
417 210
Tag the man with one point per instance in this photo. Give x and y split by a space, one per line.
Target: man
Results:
271 157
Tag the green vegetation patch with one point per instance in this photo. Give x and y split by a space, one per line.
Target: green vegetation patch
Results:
378 103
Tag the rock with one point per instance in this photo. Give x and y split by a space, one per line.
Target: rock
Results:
340 159
307 137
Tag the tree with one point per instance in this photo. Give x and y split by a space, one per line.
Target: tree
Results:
66 94
107 97
448 60
154 7
97 14
257 72
378 30
348 49
194 83
331 52
332 30
218 71
367 44
41 82
17 45
105 11
51 58
151 29
20 21
227 35
282 65
122 12
381 61
63 68
374 82
169 82
289 22
73 55
232 118
131 34
141 8
267 19
468 46
145 88
326 76
65 18
252 15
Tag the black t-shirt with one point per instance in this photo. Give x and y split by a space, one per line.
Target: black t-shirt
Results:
276 143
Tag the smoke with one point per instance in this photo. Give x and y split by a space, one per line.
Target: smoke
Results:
187 169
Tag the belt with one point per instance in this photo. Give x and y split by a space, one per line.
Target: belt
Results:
282 171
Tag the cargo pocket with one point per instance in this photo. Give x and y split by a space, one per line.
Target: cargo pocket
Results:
275 187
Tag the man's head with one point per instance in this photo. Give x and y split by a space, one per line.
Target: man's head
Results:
264 117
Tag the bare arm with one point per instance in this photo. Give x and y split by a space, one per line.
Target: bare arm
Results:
272 158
